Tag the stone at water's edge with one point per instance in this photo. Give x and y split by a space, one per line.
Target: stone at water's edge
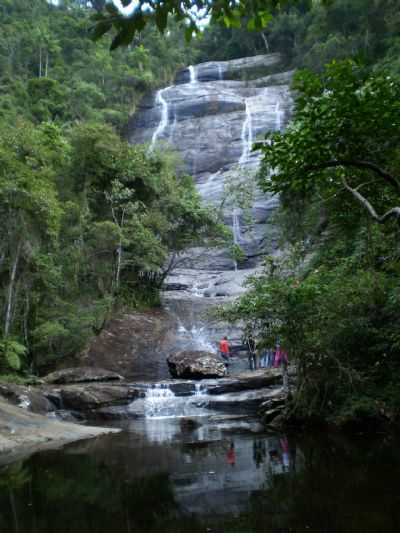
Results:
195 365
81 375
22 432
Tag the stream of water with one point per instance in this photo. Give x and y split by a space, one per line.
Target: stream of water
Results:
162 476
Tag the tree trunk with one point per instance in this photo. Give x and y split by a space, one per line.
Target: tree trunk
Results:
13 273
40 62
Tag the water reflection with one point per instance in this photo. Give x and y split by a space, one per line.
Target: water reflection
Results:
192 482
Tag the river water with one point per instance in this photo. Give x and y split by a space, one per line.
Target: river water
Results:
163 475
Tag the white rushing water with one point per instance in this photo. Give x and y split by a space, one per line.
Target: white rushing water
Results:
196 338
247 135
161 402
237 236
278 116
192 72
160 100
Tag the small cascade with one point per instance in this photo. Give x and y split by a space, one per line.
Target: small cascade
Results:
192 72
159 401
160 100
246 136
199 390
172 130
237 236
278 116
196 338
220 75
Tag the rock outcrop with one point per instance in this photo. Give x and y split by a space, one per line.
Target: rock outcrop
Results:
195 365
22 432
81 375
30 398
212 116
133 345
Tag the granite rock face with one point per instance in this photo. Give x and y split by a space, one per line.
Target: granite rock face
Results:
196 365
211 117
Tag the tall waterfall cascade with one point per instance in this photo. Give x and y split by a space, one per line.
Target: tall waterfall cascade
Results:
163 123
212 116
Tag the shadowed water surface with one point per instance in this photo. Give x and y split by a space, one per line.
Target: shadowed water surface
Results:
170 475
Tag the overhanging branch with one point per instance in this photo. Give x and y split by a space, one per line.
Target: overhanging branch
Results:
358 163
392 213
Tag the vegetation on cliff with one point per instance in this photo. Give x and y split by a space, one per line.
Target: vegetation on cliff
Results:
333 302
87 220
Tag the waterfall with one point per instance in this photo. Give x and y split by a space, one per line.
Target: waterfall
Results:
192 72
160 100
196 338
199 390
278 116
247 135
220 76
237 237
159 400
236 226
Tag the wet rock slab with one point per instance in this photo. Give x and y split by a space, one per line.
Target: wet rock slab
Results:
81 375
23 432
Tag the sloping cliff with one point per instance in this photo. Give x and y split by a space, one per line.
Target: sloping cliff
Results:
211 116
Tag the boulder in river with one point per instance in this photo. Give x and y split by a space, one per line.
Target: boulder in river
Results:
81 375
195 365
29 398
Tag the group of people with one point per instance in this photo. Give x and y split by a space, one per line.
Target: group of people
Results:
265 357
262 358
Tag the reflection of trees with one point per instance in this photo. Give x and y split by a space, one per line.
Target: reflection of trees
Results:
338 487
12 478
79 494
342 487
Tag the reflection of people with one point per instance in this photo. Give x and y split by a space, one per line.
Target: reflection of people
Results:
259 452
285 453
231 455
224 350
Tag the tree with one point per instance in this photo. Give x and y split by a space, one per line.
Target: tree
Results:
344 139
130 18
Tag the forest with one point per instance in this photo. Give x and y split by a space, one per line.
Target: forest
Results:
89 220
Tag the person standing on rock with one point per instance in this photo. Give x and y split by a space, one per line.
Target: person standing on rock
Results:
251 345
224 350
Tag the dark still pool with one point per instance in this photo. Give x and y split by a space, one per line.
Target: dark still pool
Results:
216 475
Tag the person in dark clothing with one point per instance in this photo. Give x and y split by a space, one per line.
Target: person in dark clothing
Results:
251 346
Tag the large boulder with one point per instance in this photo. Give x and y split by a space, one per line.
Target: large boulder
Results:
82 374
195 365
29 398
88 397
133 345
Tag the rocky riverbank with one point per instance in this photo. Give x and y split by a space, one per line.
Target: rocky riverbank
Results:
23 432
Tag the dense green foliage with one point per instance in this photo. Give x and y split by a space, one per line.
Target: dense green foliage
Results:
51 70
128 18
88 221
311 34
333 299
334 302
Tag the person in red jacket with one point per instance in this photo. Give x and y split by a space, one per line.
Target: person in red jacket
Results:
224 349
